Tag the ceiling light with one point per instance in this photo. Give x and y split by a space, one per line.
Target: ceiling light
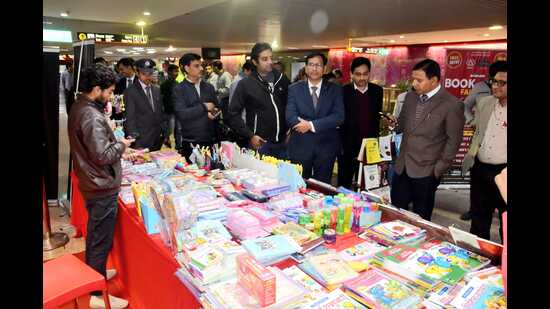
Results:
64 14
151 51
139 48
401 36
108 52
319 46
141 23
392 41
147 13
275 45
290 47
496 27
486 34
121 50
170 49
446 41
50 35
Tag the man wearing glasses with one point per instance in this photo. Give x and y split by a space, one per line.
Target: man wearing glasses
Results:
313 113
363 103
487 156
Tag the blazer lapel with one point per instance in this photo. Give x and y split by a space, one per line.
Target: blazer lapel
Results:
142 93
322 97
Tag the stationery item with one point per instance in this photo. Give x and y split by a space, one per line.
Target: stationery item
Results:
395 232
348 216
210 230
376 290
256 279
289 174
335 300
331 268
296 232
361 252
314 290
340 221
244 225
443 294
372 151
480 294
329 236
272 248
372 176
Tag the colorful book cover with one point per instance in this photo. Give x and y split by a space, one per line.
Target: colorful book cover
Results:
336 300
373 151
210 230
315 290
362 251
397 230
379 291
332 268
296 232
271 247
445 251
372 176
479 294
206 256
443 294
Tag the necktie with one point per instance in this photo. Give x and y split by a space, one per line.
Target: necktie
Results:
424 98
314 96
150 97
128 82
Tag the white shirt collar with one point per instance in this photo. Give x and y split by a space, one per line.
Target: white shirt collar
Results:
143 85
433 92
132 78
309 85
357 88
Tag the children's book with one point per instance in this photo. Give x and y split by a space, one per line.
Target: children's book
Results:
296 232
336 300
361 252
210 230
480 294
332 268
271 248
376 290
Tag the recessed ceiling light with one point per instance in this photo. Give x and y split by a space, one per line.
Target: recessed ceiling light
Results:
147 13
392 41
401 36
64 14
275 44
121 50
290 47
151 51
141 23
486 34
319 46
446 41
108 52
496 27
138 48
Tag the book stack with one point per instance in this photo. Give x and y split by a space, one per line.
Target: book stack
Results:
361 252
230 294
430 263
315 291
296 232
268 220
210 231
442 295
479 293
328 269
335 300
395 232
376 290
272 249
244 225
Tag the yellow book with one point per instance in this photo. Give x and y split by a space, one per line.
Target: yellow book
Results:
332 268
373 151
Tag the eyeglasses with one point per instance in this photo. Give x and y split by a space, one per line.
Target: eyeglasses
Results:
496 82
315 65
361 74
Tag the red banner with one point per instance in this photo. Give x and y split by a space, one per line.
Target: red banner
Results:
465 67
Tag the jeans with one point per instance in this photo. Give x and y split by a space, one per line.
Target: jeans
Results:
102 214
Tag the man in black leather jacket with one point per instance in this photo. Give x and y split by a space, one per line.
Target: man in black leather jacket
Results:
97 155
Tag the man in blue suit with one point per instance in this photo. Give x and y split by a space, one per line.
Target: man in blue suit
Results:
314 111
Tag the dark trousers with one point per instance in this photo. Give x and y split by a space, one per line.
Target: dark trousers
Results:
186 149
277 150
318 167
348 166
419 191
485 198
102 214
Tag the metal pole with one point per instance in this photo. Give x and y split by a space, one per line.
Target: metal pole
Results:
50 240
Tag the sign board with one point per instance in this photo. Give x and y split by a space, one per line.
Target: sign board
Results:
113 38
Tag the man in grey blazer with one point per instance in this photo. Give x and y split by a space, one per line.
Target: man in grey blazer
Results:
431 121
487 156
144 109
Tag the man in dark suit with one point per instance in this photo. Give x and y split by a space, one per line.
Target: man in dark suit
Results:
125 67
363 103
144 109
314 111
431 120
195 106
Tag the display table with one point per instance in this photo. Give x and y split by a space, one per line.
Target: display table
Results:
145 267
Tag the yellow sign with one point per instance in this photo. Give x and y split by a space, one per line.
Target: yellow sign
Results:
373 151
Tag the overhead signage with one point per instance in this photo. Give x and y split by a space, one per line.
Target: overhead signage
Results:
113 38
368 50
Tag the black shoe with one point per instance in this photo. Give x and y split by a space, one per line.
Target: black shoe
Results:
466 216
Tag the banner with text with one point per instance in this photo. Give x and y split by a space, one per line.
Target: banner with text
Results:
465 67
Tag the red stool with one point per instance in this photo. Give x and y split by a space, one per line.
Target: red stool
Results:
66 278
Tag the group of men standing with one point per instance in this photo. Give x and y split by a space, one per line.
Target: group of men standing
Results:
311 122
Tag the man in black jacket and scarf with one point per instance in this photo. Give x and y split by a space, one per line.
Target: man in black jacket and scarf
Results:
263 97
97 155
195 106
